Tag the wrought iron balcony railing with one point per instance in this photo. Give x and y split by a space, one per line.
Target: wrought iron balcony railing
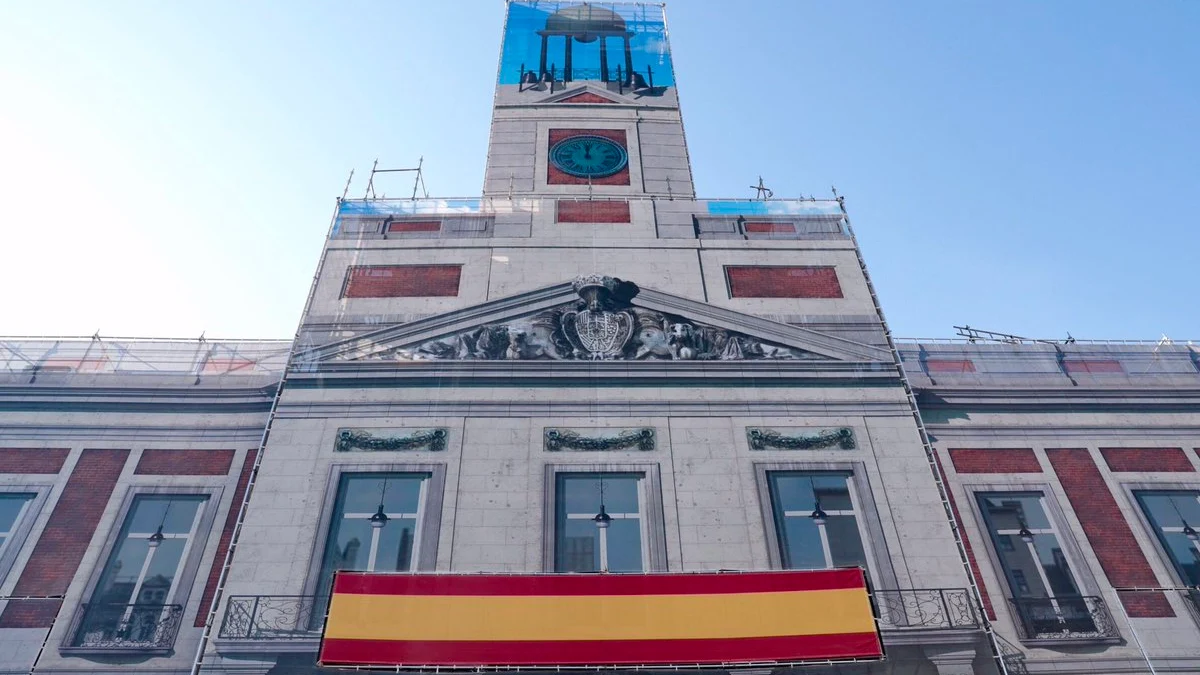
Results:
926 608
124 628
273 617
1073 617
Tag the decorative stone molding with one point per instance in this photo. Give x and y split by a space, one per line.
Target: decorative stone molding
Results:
763 439
601 326
350 440
566 439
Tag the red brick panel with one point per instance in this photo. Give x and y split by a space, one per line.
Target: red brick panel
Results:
68 532
414 226
214 572
402 281
32 460
769 227
1088 366
556 177
995 460
184 463
586 97
1146 459
783 282
593 212
1107 530
949 366
30 613
987 602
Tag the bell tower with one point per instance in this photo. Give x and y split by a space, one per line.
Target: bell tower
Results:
586 105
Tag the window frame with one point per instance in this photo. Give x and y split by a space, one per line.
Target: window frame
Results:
429 517
185 581
24 524
1085 577
879 566
654 540
1164 556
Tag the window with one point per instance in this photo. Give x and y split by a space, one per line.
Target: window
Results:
816 520
376 524
1174 515
13 506
599 523
133 602
1046 593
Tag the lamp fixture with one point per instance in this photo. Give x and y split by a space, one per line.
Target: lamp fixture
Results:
1024 533
156 539
602 519
1188 530
379 519
818 515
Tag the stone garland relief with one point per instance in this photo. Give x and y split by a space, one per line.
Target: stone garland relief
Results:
603 326
765 439
375 440
566 439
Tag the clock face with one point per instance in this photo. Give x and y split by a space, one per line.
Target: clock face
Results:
588 156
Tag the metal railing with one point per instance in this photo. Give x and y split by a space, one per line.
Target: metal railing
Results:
1012 657
1075 617
113 627
926 608
273 617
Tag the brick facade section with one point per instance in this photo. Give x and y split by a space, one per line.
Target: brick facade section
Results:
983 594
1107 530
402 281
1147 459
592 212
68 532
1089 366
414 226
556 177
768 227
783 282
184 463
218 561
30 613
995 460
949 366
32 460
586 97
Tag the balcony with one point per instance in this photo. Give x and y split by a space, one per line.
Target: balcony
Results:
111 628
1063 619
273 617
926 608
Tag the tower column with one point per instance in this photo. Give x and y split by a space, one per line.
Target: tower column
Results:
628 62
603 58
542 61
567 59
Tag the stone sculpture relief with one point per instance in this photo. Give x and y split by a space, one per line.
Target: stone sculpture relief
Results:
602 326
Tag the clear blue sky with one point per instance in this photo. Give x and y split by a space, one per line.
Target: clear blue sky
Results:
1029 167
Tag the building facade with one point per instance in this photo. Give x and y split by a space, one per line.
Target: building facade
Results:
477 383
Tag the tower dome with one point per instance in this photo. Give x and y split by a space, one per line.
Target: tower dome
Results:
585 22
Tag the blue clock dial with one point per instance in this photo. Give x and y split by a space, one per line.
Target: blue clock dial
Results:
588 156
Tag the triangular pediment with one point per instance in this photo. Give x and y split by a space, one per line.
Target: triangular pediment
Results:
586 94
557 324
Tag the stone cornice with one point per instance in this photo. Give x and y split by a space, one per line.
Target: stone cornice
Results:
36 398
567 374
1047 399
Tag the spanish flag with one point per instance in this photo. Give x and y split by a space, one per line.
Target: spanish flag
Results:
505 620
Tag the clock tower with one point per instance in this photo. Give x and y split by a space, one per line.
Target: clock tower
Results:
586 105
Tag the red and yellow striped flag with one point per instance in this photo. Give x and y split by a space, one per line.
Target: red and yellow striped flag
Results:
596 620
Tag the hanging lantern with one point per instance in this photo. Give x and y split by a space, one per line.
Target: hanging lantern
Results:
602 519
1190 532
818 515
156 539
379 519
